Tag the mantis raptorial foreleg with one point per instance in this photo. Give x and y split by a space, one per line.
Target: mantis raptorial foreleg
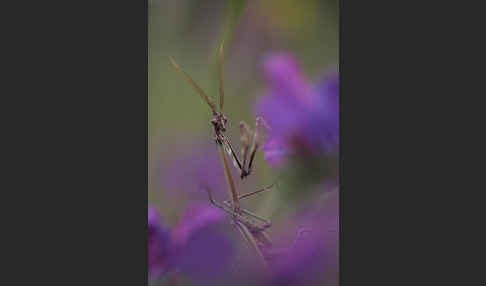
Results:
261 128
245 142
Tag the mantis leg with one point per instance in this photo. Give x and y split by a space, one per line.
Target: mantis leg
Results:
258 139
255 192
216 204
250 239
263 238
225 142
245 142
266 222
227 203
227 207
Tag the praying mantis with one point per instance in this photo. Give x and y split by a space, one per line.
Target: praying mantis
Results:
245 164
251 226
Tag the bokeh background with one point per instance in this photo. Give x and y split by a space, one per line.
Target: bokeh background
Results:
182 153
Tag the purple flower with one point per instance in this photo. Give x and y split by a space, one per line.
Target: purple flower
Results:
313 258
275 152
202 249
303 118
158 244
285 78
326 121
197 247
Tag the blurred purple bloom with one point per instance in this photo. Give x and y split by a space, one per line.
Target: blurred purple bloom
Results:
275 152
192 168
197 246
158 244
285 78
302 117
202 249
314 257
326 120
